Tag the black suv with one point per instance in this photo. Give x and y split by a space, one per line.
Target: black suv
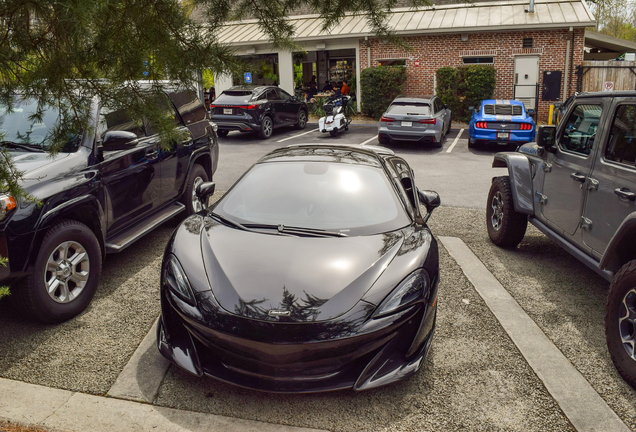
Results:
105 190
257 109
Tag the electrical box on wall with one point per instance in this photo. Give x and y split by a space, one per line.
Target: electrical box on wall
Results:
551 86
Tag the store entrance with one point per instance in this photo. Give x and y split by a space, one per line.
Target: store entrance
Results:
324 68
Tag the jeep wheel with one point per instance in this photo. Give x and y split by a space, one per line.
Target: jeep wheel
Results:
267 127
65 275
506 227
189 198
302 120
620 322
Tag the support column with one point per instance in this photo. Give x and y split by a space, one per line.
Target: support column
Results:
222 82
358 89
286 71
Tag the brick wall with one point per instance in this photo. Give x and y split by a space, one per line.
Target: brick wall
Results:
436 51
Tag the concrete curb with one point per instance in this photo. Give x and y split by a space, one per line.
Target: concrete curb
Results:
71 411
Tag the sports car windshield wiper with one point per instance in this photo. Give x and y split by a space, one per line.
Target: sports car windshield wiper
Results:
284 229
228 221
23 146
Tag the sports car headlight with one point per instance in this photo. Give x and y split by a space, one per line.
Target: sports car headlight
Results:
409 291
177 281
7 203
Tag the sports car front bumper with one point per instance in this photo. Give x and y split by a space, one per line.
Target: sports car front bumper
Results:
287 357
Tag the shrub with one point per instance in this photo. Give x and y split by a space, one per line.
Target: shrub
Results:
380 85
464 87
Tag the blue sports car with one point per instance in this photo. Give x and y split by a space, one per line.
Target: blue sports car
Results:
501 122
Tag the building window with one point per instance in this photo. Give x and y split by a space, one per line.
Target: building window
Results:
392 62
527 42
478 60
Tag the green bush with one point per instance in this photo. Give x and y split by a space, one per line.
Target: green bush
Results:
465 87
380 85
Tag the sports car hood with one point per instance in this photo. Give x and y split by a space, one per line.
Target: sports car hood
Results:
299 278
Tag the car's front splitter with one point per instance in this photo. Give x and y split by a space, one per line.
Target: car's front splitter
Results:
375 362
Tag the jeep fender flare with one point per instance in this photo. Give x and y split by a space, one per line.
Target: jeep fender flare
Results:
621 248
520 176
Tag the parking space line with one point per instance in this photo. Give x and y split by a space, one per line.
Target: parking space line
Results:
583 406
369 140
299 135
141 377
450 149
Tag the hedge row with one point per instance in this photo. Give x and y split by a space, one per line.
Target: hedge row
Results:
380 85
464 87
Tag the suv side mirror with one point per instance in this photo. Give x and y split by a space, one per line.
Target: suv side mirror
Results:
205 191
430 200
545 136
119 140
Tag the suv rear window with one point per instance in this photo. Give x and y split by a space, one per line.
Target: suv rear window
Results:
621 147
233 97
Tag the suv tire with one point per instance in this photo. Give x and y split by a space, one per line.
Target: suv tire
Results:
302 120
267 127
189 198
77 252
506 227
621 325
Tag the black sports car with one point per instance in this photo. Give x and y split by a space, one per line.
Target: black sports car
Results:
259 109
316 271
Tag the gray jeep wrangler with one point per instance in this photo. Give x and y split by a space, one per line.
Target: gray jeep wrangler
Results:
577 185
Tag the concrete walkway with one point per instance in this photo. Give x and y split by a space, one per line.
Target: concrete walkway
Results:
71 411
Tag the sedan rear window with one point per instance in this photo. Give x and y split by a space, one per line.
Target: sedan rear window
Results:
352 199
410 109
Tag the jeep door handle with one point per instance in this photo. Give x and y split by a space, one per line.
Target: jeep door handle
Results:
625 193
577 177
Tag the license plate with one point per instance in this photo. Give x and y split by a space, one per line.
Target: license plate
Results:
227 110
409 124
503 135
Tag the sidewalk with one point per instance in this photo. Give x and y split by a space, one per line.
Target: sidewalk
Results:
56 409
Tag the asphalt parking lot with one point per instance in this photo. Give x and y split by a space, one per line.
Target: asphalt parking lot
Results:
475 377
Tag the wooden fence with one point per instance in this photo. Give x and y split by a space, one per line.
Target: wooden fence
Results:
593 76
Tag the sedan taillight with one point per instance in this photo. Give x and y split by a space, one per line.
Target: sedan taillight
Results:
526 126
387 119
428 121
481 125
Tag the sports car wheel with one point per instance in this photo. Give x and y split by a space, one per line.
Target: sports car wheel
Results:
302 120
506 227
189 198
620 322
65 275
267 127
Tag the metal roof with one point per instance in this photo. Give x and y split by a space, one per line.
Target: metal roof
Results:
453 18
598 40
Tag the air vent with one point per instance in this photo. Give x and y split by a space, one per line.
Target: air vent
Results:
503 110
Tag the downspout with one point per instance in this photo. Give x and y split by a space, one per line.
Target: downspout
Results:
571 57
531 8
566 79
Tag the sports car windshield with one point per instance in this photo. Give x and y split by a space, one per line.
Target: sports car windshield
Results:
339 197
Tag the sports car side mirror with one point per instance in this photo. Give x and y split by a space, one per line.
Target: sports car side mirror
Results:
205 190
471 110
545 136
430 200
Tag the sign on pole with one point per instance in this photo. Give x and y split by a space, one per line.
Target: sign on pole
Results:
609 86
248 77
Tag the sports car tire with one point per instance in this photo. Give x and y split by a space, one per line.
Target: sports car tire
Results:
64 276
189 198
267 127
506 227
620 322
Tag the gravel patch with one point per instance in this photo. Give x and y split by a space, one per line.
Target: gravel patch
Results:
474 379
563 296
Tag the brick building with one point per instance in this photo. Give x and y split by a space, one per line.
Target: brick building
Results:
534 51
